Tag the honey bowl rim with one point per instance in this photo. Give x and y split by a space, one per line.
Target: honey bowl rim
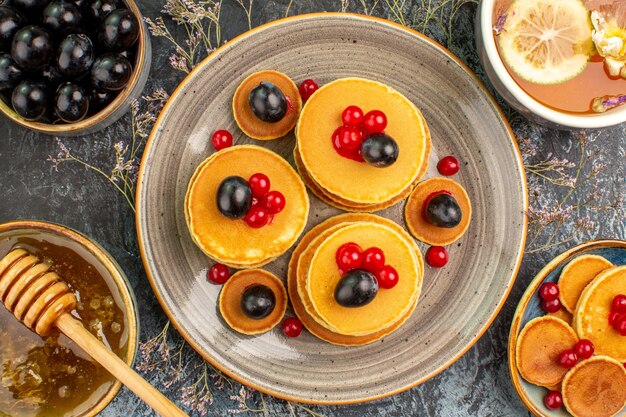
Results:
111 108
117 275
565 119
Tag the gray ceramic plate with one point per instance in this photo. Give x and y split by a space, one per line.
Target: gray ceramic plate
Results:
458 302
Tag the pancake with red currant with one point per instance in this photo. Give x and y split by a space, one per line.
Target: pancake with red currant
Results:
376 151
343 204
577 275
356 294
599 318
245 205
305 258
539 345
301 257
253 301
266 105
438 211
595 387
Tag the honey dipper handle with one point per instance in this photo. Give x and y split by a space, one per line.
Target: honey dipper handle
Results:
74 329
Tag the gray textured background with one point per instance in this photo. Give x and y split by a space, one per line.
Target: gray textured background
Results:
478 384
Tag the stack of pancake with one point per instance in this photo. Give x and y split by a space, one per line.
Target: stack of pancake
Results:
231 241
347 184
313 274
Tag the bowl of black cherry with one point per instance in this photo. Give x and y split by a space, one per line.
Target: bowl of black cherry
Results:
70 67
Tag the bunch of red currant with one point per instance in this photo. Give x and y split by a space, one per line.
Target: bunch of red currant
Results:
350 256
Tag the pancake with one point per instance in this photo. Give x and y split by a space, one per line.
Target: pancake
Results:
252 125
235 265
297 279
230 301
426 232
388 306
305 257
302 269
538 348
344 204
233 242
351 181
592 312
577 275
595 387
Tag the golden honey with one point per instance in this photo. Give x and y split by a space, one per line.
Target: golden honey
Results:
51 376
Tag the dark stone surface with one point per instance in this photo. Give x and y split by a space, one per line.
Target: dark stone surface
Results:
476 385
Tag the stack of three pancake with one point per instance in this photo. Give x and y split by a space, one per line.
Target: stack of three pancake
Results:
313 275
351 185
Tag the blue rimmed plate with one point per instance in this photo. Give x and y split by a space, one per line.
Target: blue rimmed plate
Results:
529 308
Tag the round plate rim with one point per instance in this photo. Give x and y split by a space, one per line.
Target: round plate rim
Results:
523 305
242 37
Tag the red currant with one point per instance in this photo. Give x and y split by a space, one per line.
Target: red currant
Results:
448 166
257 216
307 88
342 247
437 256
222 139
292 327
349 256
549 291
613 318
274 202
619 304
259 184
568 358
218 274
355 155
363 131
551 306
373 259
553 400
620 325
350 138
387 277
352 116
584 349
375 121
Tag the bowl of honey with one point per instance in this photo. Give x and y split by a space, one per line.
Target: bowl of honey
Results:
52 376
559 62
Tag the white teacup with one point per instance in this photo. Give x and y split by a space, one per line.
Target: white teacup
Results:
516 96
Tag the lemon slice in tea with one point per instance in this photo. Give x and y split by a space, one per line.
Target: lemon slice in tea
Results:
546 41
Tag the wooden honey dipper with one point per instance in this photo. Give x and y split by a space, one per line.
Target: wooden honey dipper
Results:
41 300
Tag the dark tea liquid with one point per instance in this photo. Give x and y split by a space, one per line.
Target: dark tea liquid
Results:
575 95
51 376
